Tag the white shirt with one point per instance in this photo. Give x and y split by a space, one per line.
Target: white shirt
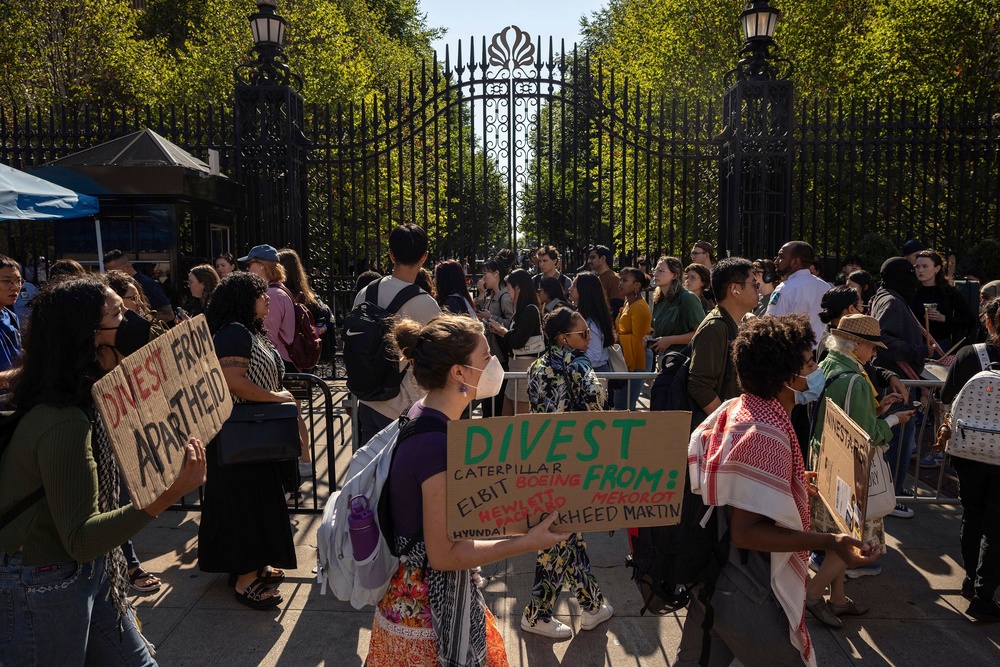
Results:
800 293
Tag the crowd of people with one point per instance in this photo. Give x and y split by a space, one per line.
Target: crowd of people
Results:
766 341
67 562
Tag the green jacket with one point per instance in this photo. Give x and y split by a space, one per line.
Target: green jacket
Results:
862 409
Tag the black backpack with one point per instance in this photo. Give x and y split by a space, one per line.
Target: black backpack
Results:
373 372
669 561
669 390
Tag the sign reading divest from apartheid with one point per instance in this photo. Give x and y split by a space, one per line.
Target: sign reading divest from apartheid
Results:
157 398
598 470
842 469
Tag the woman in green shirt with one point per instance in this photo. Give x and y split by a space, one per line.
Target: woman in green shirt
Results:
676 311
62 573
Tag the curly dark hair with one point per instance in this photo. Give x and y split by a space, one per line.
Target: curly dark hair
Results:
59 362
768 352
234 300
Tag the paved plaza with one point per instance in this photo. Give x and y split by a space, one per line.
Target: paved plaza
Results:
916 615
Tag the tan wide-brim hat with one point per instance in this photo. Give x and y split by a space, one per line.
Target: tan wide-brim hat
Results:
860 329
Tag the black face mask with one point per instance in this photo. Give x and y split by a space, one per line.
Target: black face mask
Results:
131 334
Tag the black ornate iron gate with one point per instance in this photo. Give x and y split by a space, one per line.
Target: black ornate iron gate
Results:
502 147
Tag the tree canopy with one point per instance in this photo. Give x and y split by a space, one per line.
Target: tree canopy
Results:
184 51
875 48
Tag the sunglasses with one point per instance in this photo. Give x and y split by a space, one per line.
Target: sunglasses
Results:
585 333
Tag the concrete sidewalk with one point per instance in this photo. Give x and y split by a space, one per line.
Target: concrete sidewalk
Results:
916 615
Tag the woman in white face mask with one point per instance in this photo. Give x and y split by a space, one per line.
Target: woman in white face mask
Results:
852 343
563 380
452 362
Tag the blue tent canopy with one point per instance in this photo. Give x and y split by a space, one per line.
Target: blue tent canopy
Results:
27 197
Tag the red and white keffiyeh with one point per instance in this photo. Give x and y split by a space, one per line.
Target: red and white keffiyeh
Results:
746 455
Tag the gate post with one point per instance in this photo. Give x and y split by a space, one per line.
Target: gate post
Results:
755 169
270 145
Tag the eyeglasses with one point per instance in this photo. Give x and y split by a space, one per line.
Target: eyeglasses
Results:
756 285
130 297
585 333
698 252
14 283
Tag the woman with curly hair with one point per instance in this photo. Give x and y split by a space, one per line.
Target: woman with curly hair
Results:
432 612
245 530
63 578
562 380
676 311
746 461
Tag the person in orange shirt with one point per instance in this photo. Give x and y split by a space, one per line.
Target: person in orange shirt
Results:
632 324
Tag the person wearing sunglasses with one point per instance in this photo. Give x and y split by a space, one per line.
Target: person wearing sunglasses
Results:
562 380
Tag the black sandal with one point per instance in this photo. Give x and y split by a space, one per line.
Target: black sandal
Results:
270 575
253 596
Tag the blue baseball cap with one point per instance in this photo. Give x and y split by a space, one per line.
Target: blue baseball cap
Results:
261 252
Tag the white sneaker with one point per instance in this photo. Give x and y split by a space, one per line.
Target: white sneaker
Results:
901 511
305 469
591 619
553 628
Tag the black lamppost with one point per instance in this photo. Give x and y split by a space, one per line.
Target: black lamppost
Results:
270 145
756 164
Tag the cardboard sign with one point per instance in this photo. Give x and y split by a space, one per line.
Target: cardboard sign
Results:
598 470
157 398
842 469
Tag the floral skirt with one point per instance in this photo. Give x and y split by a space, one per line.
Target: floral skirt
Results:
402 634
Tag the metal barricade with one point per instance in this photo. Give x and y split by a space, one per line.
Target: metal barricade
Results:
317 410
932 414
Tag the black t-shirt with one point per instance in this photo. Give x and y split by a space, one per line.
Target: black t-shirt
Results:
965 367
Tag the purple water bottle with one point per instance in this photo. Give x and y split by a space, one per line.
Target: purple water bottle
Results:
364 531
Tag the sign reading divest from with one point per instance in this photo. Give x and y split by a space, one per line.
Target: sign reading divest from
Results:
157 398
842 469
598 470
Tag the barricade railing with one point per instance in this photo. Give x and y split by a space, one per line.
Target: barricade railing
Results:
638 383
317 410
932 414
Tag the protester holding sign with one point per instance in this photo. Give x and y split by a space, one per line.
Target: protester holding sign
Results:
432 612
562 380
62 573
851 345
745 460
245 529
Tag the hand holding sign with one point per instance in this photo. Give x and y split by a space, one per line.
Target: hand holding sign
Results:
192 476
542 537
156 400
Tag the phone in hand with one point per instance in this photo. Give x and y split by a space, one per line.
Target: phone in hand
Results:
916 406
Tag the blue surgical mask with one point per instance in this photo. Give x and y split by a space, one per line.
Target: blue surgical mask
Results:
815 383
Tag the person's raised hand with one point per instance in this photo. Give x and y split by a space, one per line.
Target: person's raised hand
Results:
193 473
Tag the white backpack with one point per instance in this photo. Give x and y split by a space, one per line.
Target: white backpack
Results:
364 582
975 415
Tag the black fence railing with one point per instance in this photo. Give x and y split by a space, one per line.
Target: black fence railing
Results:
519 143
